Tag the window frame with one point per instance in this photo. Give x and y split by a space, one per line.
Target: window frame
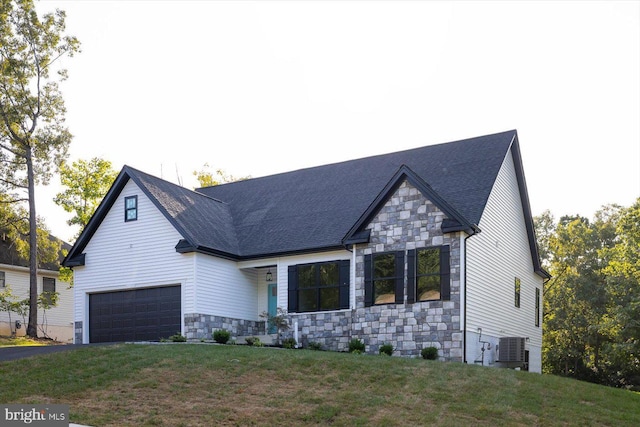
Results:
295 290
538 301
517 287
128 209
3 279
52 281
397 277
413 276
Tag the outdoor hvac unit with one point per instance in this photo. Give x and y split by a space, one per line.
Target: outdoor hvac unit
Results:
511 349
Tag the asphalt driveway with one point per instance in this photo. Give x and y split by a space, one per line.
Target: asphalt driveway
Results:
14 353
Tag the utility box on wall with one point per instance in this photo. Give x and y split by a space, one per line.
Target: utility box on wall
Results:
511 349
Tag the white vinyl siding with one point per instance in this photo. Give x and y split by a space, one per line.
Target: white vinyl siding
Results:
59 318
126 255
495 257
224 290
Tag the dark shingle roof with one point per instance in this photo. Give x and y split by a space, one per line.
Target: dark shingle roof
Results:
9 254
317 208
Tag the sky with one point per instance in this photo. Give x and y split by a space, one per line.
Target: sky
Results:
257 88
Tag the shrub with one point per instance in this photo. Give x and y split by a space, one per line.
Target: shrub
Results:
178 337
253 341
429 353
386 349
315 346
221 336
289 343
356 345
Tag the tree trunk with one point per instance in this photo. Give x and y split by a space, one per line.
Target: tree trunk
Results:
32 329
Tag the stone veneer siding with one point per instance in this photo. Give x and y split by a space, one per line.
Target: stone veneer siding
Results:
407 221
199 326
78 332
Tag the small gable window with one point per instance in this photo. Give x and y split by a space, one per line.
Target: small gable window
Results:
428 277
2 282
130 208
517 292
384 278
319 287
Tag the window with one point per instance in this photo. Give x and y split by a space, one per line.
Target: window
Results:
130 208
537 307
517 292
384 278
319 286
2 282
48 288
428 274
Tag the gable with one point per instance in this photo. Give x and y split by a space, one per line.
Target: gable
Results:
321 208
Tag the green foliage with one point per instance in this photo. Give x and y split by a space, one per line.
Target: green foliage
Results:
85 183
429 353
221 336
253 341
33 138
289 343
386 349
316 346
356 346
207 178
178 337
591 305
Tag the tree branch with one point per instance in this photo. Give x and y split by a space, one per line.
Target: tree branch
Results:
13 184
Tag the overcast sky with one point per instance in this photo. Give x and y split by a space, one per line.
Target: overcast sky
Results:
257 88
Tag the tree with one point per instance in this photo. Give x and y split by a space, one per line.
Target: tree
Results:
86 182
33 138
206 177
592 304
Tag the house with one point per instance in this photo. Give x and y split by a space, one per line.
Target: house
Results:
55 323
432 246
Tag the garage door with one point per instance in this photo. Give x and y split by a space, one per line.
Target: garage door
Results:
135 315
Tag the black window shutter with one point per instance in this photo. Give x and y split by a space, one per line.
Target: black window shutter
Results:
345 280
399 277
368 282
293 288
445 273
411 276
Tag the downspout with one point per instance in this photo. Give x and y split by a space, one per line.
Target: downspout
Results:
464 335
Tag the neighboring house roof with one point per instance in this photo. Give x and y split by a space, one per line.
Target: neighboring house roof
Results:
10 256
324 207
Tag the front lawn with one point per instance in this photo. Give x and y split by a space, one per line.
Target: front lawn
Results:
206 385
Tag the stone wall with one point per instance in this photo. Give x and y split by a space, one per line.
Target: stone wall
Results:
198 326
407 221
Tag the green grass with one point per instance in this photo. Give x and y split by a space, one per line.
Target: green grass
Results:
19 341
185 385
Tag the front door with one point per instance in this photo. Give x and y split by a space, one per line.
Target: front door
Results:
272 304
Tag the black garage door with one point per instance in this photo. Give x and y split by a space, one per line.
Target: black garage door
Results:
136 315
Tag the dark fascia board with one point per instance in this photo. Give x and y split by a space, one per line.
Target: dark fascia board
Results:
457 221
75 253
112 195
184 246
526 209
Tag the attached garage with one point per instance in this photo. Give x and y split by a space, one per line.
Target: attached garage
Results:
135 315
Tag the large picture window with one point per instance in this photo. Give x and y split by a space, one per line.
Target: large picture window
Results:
319 286
428 275
384 278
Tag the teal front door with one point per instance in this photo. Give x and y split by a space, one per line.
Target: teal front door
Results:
272 304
